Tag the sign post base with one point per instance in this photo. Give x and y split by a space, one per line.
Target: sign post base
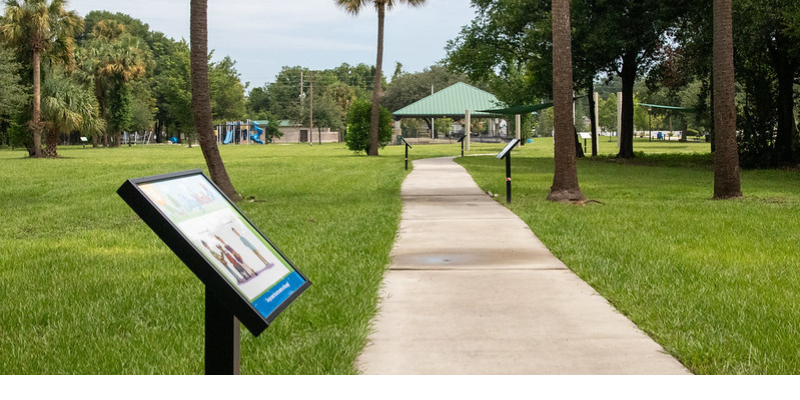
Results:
223 337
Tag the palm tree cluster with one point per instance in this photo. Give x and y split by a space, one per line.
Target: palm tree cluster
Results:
136 79
36 28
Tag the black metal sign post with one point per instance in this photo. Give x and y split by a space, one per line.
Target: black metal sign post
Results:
506 153
246 277
222 338
408 146
461 140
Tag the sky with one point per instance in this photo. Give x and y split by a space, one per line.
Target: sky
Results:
264 35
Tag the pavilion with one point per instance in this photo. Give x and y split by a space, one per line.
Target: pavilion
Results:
457 101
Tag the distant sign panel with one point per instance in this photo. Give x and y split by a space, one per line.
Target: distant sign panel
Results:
585 135
508 148
221 246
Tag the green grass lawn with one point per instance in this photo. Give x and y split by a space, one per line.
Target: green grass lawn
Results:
87 288
717 283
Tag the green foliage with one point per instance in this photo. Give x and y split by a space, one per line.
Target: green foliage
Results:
358 123
607 110
407 88
227 91
41 24
69 106
257 102
544 122
18 133
442 125
272 129
172 87
14 93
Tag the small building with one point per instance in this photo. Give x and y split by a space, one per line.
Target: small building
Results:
296 133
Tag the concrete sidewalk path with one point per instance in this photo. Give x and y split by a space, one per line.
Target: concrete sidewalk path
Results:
471 290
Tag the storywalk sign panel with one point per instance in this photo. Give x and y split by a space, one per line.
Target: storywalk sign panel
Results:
237 262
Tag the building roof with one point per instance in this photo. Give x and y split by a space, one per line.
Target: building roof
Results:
452 102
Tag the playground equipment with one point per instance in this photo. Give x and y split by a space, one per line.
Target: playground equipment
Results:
228 135
257 134
133 138
240 132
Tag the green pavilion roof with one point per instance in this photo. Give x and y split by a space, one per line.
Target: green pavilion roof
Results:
452 102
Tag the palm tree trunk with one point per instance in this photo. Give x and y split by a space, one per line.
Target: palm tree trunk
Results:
51 149
376 85
36 120
201 99
565 180
726 158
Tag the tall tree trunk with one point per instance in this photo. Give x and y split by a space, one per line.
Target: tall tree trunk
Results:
578 145
726 159
36 120
629 67
51 149
376 86
565 179
593 118
201 99
785 71
94 140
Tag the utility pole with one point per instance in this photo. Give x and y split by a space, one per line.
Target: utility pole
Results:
302 103
311 116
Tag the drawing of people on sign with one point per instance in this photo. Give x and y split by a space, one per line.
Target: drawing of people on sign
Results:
237 251
252 248
219 257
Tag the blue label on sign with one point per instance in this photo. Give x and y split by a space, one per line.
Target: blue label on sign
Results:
277 294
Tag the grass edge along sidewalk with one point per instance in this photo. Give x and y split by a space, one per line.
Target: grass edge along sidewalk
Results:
715 283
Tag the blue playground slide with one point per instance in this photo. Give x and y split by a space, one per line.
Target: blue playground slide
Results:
228 137
255 136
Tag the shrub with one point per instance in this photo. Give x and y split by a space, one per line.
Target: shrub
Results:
358 117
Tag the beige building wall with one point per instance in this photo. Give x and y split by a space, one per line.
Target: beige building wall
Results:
291 134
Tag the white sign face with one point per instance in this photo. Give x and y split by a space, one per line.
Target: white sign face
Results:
235 248
585 135
508 148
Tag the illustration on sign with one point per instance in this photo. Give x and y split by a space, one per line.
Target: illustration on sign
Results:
226 239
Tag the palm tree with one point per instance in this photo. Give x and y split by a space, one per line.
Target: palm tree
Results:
114 59
565 180
354 7
726 156
67 106
36 27
201 98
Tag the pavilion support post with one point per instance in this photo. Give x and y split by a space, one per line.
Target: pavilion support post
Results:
518 126
467 125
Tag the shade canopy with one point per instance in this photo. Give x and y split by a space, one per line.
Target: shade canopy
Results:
519 109
666 107
452 102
